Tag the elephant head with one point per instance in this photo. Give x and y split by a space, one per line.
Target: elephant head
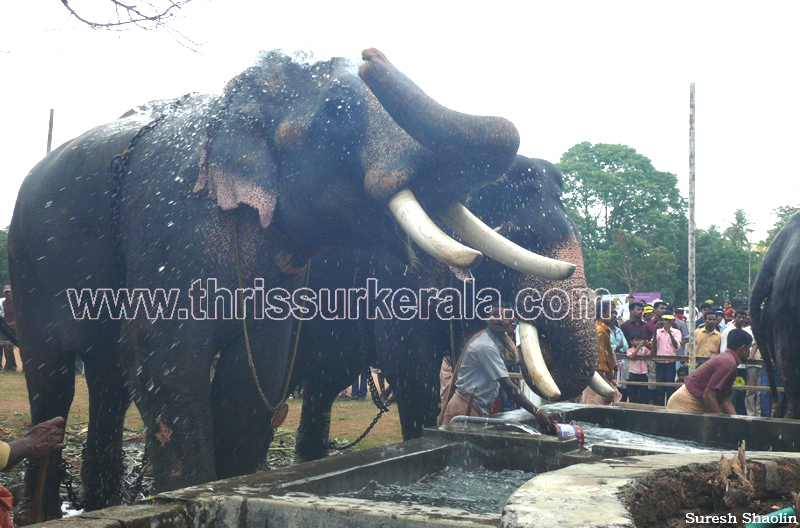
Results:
321 153
558 338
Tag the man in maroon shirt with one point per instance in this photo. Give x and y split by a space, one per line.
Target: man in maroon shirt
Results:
708 389
634 325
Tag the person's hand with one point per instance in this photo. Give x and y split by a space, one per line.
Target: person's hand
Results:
40 441
545 422
46 437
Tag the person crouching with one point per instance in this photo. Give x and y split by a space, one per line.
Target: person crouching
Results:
708 389
482 373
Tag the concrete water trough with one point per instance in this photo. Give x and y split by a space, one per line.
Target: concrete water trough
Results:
572 487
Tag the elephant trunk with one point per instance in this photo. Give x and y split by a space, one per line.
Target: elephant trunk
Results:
492 141
565 325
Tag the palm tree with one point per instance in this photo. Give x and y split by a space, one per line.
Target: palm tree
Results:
739 230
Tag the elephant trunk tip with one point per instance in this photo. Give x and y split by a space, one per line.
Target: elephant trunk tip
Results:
491 142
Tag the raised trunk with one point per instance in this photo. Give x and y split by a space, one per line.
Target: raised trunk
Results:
488 144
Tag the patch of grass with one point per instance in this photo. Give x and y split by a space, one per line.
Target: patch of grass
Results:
348 418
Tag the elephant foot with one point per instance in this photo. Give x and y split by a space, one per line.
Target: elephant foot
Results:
309 447
101 474
23 512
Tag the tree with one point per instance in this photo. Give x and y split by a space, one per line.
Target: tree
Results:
115 13
613 187
635 262
4 279
721 266
739 230
782 215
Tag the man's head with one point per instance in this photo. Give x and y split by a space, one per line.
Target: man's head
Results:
629 300
502 320
665 322
7 291
740 318
739 341
636 311
604 311
659 307
705 307
647 313
720 316
710 321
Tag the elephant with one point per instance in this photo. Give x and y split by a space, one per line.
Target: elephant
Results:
131 246
775 309
525 206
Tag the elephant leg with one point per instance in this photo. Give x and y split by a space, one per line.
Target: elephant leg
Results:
313 433
417 405
242 427
411 354
169 373
787 337
50 377
103 467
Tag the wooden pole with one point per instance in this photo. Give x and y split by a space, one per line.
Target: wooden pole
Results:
690 319
50 132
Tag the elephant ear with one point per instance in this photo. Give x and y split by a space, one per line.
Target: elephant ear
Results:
239 169
236 163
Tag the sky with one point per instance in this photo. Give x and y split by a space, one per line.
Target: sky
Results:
563 72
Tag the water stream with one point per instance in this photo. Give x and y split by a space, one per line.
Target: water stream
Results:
480 490
594 434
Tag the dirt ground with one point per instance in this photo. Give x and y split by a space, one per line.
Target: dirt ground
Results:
348 421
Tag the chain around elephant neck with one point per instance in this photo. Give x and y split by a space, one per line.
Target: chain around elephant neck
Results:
117 169
290 366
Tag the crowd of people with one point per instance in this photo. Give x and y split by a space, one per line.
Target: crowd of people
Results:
641 334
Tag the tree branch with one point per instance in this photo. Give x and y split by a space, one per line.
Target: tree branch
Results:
135 15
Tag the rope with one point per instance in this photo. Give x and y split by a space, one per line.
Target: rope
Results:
290 366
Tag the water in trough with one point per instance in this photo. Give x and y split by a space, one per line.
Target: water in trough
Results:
479 490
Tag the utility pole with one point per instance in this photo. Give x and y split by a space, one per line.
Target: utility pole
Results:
50 132
749 268
690 349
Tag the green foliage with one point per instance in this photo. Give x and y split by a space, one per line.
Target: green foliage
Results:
739 230
4 257
782 215
616 197
635 262
721 266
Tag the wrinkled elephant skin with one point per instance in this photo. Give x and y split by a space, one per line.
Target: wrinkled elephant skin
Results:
525 206
775 310
292 158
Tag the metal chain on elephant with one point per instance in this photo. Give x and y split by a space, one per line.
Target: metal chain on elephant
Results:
382 409
66 478
290 367
117 170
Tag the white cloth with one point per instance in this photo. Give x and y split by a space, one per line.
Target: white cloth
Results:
723 344
624 312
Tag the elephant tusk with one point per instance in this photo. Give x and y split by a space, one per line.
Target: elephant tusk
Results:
601 386
483 238
534 361
418 225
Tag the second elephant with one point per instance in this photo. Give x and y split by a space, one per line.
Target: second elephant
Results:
525 206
